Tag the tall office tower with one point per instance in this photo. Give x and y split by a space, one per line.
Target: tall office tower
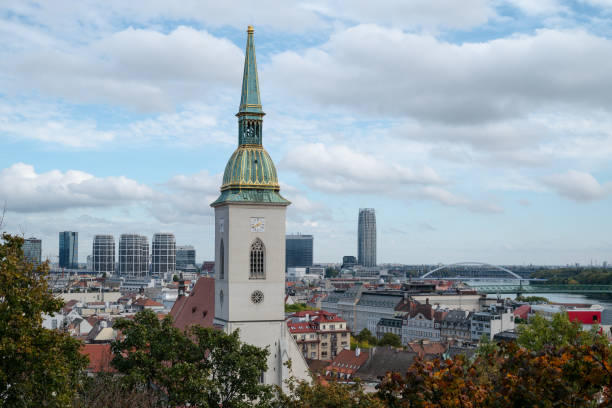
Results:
32 250
185 256
103 254
133 255
366 237
69 250
163 254
298 250
250 241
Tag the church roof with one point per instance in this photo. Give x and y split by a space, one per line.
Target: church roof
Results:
250 175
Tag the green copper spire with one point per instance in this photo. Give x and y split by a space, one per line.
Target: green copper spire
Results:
250 176
249 100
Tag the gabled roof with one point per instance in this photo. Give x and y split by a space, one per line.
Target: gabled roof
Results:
348 362
198 308
100 357
385 359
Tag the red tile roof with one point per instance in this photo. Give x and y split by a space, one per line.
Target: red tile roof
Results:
100 357
348 362
197 308
522 311
146 302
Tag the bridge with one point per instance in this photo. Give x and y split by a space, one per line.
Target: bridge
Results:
472 271
526 289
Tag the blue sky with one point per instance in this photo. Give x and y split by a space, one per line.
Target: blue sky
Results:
478 130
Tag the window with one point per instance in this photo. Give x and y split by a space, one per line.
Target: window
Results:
257 260
221 260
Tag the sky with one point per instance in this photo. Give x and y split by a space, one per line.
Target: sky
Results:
478 130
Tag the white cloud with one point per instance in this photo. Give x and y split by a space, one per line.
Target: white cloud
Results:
138 68
24 190
578 186
384 71
340 169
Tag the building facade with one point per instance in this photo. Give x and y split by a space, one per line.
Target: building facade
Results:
163 254
185 257
298 251
69 250
133 255
32 250
103 254
320 335
366 237
250 241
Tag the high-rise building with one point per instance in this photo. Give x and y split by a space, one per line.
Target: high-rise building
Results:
133 255
69 250
250 241
185 256
366 237
32 250
163 254
103 254
298 250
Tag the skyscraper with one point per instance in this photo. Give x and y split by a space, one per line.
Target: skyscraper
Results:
366 237
163 254
185 256
69 250
32 250
103 254
133 255
298 250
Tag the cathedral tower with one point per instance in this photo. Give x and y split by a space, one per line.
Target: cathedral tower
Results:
250 240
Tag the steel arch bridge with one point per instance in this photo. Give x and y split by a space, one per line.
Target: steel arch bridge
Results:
469 271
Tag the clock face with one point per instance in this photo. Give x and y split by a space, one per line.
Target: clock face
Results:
258 224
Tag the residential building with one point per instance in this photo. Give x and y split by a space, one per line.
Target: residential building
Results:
320 335
346 364
298 250
32 250
423 323
366 237
69 250
185 257
456 325
489 323
373 306
163 254
103 254
389 325
133 255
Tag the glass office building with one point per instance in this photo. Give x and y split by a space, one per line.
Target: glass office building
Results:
185 256
69 250
163 254
298 250
32 250
133 255
103 254
366 237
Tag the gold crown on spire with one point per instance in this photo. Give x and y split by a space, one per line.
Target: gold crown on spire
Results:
250 29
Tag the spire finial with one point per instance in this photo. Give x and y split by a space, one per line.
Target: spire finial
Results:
249 100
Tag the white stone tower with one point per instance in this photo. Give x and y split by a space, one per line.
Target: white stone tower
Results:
250 240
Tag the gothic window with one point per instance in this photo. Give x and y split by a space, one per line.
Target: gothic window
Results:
221 261
257 260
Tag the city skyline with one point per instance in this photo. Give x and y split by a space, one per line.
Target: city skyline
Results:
478 132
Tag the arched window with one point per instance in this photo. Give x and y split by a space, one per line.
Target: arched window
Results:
257 260
221 261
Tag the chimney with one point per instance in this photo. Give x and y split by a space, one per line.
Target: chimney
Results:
181 286
357 352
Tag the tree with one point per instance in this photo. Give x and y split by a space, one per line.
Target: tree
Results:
366 336
203 367
559 331
329 394
331 272
390 339
38 367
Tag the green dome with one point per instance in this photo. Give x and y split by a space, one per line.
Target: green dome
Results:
250 167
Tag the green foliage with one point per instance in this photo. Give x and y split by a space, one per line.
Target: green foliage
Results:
107 390
557 332
390 339
366 336
331 272
575 275
297 307
203 367
532 299
309 395
175 278
38 367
